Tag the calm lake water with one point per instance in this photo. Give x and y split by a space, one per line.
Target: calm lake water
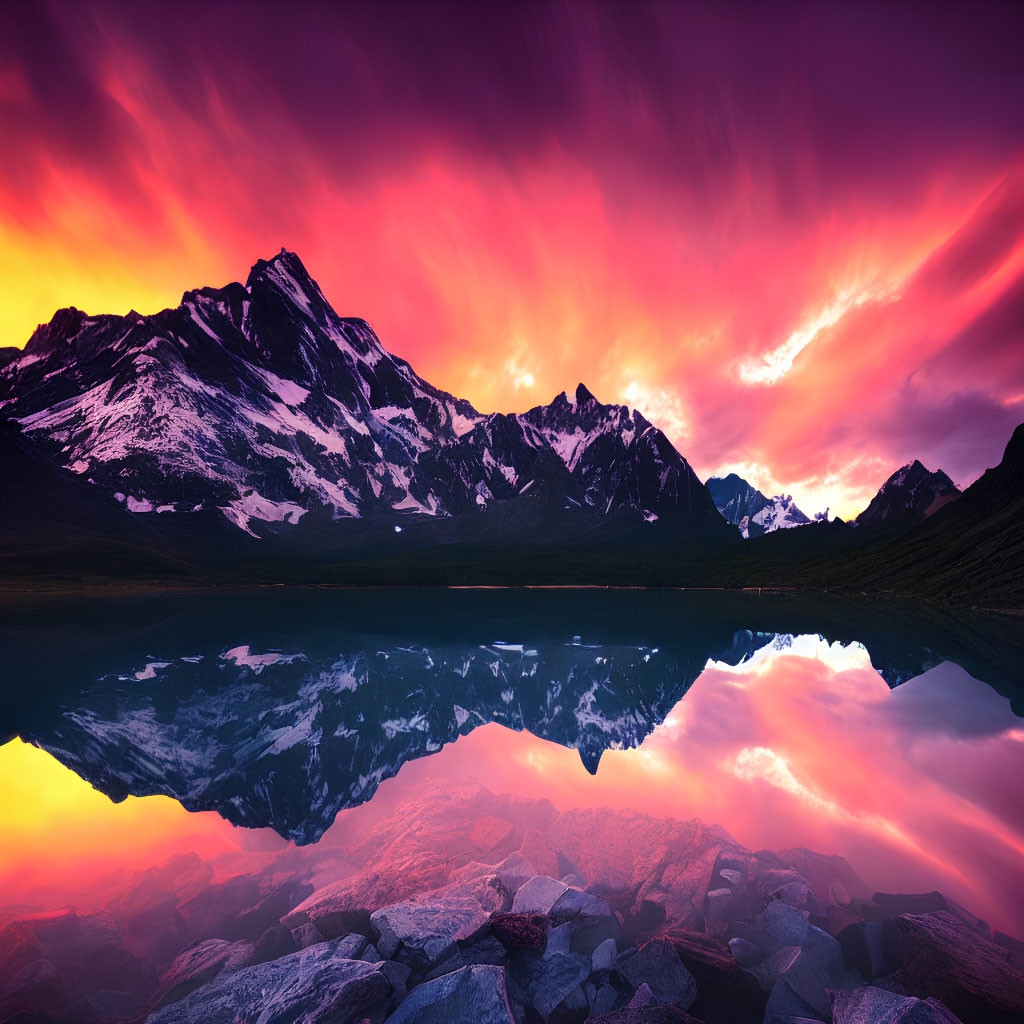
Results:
203 768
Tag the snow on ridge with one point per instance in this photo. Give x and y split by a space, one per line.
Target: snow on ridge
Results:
243 658
254 506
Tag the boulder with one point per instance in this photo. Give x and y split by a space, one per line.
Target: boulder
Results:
603 958
194 967
241 907
633 857
488 951
605 998
549 982
472 995
745 953
798 977
725 992
818 969
887 906
591 920
424 930
657 965
538 895
275 942
869 948
867 1005
942 956
313 985
559 940
776 926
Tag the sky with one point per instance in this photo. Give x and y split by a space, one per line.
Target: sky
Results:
916 787
791 234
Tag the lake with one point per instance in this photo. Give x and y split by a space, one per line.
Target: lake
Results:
509 805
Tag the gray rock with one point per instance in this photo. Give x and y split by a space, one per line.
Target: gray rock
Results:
307 987
487 951
351 946
643 996
538 895
869 1005
197 965
656 964
768 971
591 919
603 958
424 930
869 948
784 1004
942 956
472 995
398 977
745 953
550 981
776 926
559 940
306 935
604 1000
817 969
574 880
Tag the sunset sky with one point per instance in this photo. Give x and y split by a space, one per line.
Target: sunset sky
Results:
793 235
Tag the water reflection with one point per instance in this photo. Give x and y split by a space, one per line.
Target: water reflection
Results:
591 720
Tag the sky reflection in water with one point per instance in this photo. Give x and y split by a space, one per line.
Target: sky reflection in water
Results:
798 746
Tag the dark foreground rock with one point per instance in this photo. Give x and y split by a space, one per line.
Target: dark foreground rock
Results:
657 965
726 994
308 987
424 930
942 956
472 995
869 1005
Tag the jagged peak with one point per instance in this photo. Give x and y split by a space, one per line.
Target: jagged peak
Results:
284 271
583 395
63 325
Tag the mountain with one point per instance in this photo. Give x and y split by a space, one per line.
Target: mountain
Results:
968 552
754 513
911 494
259 402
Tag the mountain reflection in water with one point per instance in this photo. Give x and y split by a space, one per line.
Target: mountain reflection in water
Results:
331 801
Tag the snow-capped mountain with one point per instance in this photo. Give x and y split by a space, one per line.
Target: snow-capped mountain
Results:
260 401
911 494
754 513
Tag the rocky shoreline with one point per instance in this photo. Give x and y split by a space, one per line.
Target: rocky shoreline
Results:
466 906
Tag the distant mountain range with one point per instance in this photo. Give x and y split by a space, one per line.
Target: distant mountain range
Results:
911 494
746 507
252 431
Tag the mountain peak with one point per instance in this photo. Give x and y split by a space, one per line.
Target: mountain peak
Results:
63 325
911 494
284 265
583 395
